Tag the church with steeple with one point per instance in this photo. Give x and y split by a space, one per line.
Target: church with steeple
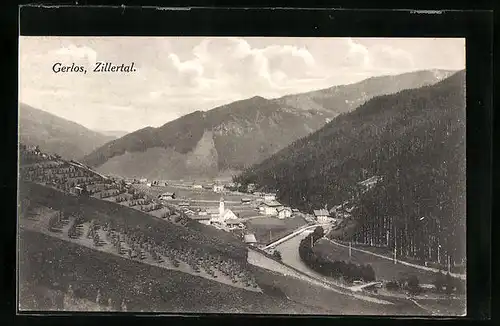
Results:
223 214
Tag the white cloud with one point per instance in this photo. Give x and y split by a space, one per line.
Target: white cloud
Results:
179 75
188 67
357 54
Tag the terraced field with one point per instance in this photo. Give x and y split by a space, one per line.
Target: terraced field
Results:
152 227
55 264
132 245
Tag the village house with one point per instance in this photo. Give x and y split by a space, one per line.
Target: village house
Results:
235 223
203 219
370 182
284 212
250 239
167 196
208 186
269 196
76 190
270 207
321 215
218 188
245 200
196 186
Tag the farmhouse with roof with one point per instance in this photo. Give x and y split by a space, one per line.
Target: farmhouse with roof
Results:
250 239
269 196
167 195
270 207
322 215
218 188
284 212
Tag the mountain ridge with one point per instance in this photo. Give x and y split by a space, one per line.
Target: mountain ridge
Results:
248 131
55 134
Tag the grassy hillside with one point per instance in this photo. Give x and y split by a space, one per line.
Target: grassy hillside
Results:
415 140
55 264
242 133
151 227
57 135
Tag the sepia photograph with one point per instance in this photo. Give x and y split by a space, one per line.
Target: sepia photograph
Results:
242 175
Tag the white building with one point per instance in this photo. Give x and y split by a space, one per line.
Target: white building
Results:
218 188
235 224
270 207
322 215
250 239
270 197
246 200
222 214
370 182
284 212
167 196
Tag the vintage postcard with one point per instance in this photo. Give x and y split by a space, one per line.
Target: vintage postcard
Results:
255 175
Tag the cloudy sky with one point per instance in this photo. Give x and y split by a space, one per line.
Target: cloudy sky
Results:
176 76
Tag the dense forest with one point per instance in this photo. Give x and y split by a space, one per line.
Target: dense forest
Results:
414 140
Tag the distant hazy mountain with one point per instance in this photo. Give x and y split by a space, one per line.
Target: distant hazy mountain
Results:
113 133
242 133
57 135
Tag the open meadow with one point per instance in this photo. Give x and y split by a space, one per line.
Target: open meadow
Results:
385 269
191 193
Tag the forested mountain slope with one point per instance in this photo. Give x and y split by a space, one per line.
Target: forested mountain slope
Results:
414 140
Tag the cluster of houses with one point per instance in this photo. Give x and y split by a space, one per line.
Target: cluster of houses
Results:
221 217
215 187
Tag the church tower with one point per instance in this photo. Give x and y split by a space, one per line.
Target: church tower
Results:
221 208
